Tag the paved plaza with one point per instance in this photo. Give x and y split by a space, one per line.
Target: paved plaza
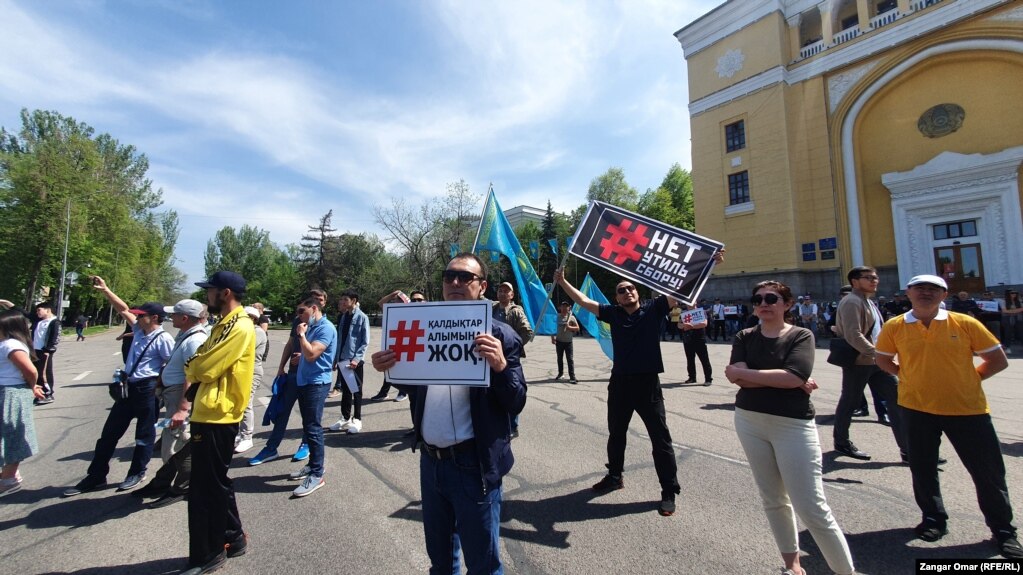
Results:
367 519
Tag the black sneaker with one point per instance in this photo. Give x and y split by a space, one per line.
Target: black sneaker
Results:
1009 545
708 383
239 546
86 485
852 451
167 499
609 483
667 506
930 530
690 380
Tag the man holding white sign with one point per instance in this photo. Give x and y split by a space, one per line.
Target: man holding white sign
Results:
693 325
463 430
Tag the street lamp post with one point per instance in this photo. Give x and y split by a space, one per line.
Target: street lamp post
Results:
63 265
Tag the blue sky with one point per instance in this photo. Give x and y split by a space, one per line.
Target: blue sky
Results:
272 113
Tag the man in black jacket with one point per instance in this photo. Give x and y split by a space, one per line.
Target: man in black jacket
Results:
464 436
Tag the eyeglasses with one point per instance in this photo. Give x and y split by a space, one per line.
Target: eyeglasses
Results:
769 299
869 278
626 289
418 299
464 277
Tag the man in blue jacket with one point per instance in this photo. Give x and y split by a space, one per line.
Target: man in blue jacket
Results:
464 435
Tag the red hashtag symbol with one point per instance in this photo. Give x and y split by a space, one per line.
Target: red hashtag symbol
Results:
406 340
621 244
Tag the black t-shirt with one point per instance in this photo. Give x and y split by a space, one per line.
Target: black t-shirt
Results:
636 337
793 352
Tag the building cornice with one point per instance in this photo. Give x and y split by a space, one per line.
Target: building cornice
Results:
838 57
723 21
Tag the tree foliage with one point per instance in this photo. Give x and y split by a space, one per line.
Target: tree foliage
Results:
672 201
271 274
58 180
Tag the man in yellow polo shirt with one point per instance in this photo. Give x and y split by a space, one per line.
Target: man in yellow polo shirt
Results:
940 392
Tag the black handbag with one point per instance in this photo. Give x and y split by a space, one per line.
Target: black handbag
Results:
118 388
842 354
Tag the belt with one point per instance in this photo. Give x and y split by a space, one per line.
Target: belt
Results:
143 380
469 445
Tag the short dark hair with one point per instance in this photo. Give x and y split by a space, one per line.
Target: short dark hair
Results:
44 305
414 292
474 257
311 301
856 272
351 294
783 290
847 289
316 292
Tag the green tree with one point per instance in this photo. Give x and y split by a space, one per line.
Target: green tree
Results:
59 182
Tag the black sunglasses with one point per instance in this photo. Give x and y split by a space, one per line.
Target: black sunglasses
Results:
464 277
626 289
770 299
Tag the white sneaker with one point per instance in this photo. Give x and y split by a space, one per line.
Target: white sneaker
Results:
311 483
11 485
354 426
340 425
243 446
401 397
301 473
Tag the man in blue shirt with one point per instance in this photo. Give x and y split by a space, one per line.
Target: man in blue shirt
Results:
317 345
150 349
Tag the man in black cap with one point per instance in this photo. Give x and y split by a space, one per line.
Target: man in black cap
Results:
150 349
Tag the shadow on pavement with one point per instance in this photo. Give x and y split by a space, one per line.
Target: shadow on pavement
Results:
718 406
81 511
158 567
578 506
1013 449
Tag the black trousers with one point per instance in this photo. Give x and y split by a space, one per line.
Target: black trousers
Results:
564 351
694 349
140 405
44 369
348 399
718 328
640 393
976 444
882 385
175 475
213 519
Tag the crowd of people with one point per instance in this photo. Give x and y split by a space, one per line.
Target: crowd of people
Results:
918 362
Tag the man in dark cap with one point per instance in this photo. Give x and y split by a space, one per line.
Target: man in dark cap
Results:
150 349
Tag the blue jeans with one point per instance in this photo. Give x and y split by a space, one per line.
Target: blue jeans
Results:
288 398
310 405
458 512
141 405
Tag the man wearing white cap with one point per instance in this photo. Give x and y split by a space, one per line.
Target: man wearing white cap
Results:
940 392
170 484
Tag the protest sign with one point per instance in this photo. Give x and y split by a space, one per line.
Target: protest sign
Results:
990 306
694 316
664 258
434 342
731 310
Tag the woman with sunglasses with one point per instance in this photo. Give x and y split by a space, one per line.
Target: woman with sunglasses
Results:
771 365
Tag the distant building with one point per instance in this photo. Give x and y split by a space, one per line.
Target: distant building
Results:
834 133
522 214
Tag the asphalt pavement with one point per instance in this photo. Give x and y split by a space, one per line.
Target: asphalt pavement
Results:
367 519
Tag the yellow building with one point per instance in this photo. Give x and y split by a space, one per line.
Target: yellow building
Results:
834 133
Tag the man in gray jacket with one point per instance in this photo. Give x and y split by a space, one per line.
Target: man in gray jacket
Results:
858 321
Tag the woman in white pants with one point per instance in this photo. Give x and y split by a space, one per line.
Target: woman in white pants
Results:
771 364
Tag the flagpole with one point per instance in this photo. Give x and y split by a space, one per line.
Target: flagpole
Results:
479 228
564 260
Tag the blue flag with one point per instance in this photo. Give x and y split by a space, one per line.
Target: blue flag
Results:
534 249
454 250
554 245
598 329
496 234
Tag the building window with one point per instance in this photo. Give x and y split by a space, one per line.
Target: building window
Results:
738 188
886 6
735 136
953 230
849 22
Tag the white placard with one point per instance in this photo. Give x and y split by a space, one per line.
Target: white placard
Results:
694 316
731 310
988 305
434 342
351 378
